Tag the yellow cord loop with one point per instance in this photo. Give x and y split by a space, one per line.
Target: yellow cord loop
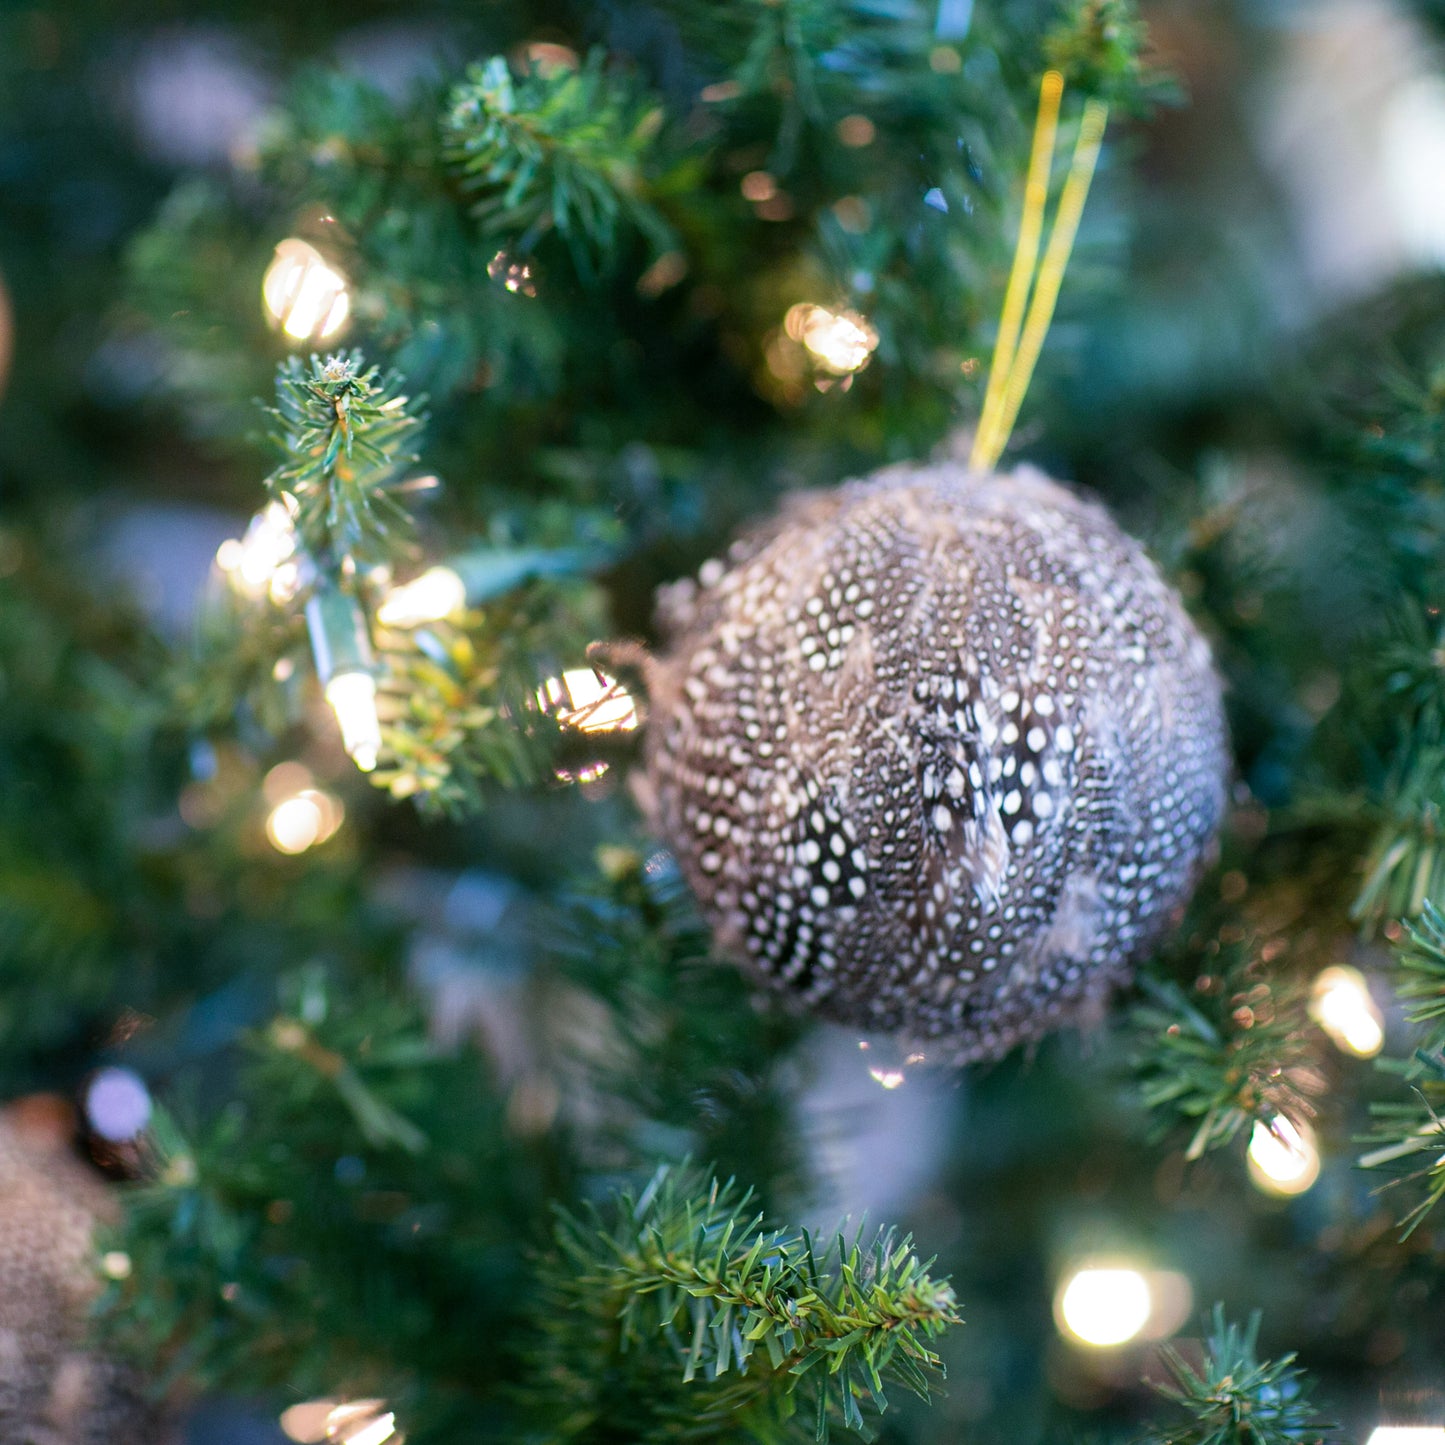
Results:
1021 337
1026 253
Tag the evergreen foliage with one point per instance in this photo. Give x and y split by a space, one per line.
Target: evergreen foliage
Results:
342 432
1406 1129
565 148
771 1328
1234 1054
1235 1398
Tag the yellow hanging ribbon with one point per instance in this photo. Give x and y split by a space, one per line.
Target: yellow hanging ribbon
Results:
1021 336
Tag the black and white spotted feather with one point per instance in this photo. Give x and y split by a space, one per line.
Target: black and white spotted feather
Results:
939 752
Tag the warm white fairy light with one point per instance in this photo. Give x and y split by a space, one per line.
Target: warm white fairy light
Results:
1104 1305
438 593
1407 1435
116 1264
590 703
261 563
354 1422
375 1432
1340 1003
303 294
303 820
839 341
1282 1157
352 696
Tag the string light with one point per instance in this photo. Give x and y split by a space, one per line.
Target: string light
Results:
303 820
261 563
436 594
1407 1435
341 645
589 702
352 696
840 342
354 1422
305 296
1282 1157
116 1264
1103 1306
1340 1003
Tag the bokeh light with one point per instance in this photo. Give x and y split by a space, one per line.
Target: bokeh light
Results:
262 563
1407 1435
438 593
840 342
1340 1003
1103 1305
305 296
589 702
1282 1157
304 820
117 1104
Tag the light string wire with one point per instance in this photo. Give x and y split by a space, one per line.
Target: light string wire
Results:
1021 337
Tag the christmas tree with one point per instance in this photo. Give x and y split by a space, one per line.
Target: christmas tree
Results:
485 957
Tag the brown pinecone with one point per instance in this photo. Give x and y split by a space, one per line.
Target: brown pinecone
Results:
938 752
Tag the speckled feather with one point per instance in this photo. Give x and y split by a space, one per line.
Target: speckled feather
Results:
938 752
53 1389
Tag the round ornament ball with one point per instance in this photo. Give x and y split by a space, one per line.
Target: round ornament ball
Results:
939 752
55 1387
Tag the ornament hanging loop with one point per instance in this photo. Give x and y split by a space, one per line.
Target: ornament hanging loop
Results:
1024 321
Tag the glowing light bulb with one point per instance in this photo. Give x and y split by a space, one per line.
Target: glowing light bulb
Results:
1407 1435
116 1264
260 562
436 594
840 342
352 696
590 703
1340 1003
1103 1306
1282 1157
305 296
301 822
355 1422
374 1433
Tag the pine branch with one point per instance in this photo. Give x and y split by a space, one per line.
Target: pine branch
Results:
344 431
1235 1053
1405 864
684 1053
1403 1130
747 1322
559 147
1236 1398
1099 45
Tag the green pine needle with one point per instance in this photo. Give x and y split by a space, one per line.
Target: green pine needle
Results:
736 1323
1235 1398
1403 1130
559 147
345 432
1234 1054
